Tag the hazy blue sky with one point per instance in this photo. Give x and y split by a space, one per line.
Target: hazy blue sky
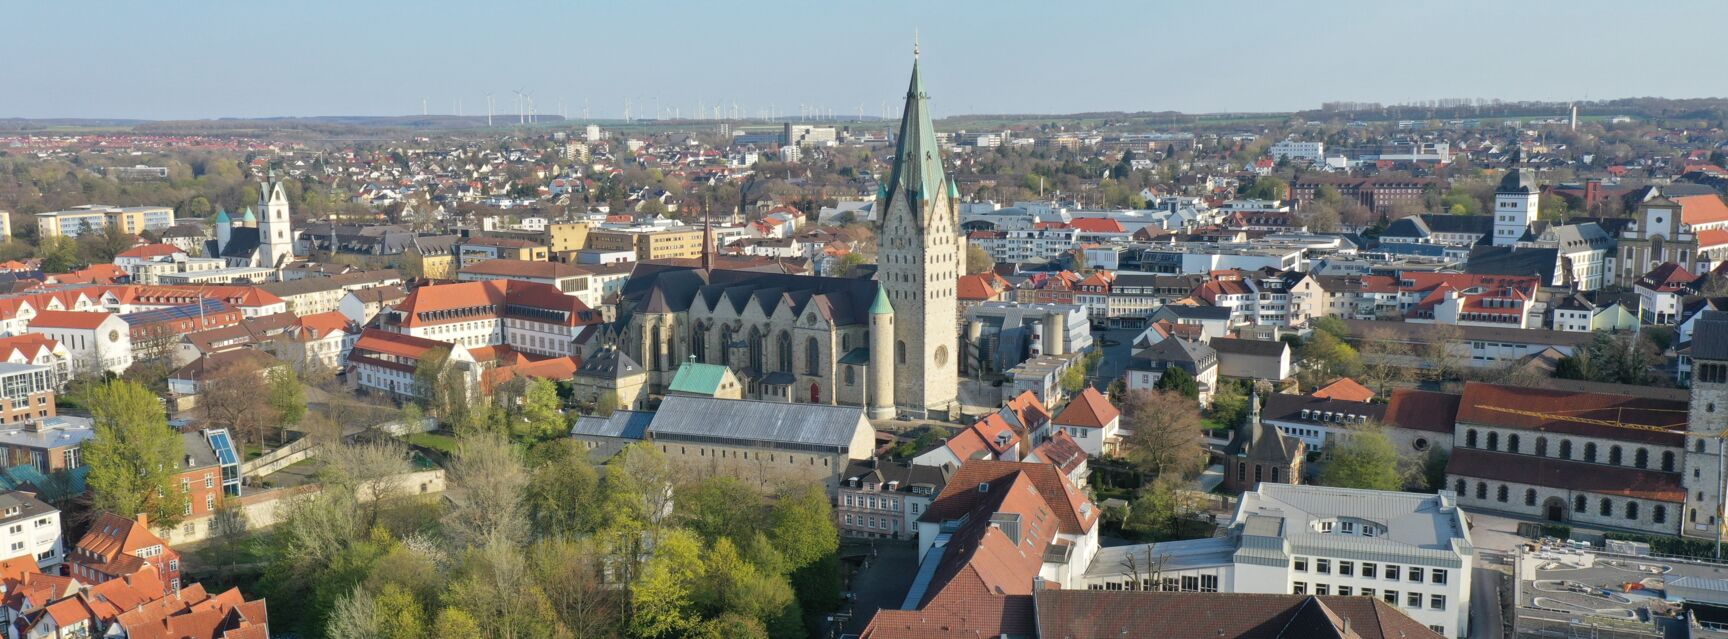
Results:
187 59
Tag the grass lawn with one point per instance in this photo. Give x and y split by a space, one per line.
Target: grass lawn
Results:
1211 424
445 444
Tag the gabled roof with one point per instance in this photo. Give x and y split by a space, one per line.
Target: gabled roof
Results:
1089 409
77 320
698 378
1346 389
1544 410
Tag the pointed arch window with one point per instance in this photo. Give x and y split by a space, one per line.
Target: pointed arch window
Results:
783 347
812 357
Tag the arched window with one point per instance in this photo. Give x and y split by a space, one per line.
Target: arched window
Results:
1631 510
1493 440
1565 449
1511 443
1605 507
1529 496
1459 487
1481 490
699 343
1590 452
1541 446
1501 494
657 348
851 375
727 337
812 357
845 342
1614 456
1667 461
1470 438
1578 504
900 352
1641 458
757 362
783 346
1659 514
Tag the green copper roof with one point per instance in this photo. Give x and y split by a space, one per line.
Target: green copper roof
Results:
881 305
222 216
698 379
249 217
917 158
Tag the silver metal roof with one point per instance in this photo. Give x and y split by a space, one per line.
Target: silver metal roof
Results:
798 426
1411 528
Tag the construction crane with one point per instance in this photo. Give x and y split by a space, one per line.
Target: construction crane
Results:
1617 422
1620 422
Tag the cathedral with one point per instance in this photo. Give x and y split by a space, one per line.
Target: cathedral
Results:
887 344
250 242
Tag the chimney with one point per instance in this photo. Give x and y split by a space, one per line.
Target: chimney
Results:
1345 631
144 520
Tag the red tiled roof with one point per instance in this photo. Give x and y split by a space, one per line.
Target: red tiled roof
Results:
1711 238
1089 409
1345 389
1474 463
1061 450
1423 410
149 251
1075 513
82 320
1027 410
980 287
1097 225
1701 209
1547 410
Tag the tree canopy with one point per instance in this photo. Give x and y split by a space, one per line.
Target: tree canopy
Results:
134 455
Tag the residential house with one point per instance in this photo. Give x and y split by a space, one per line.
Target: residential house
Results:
47 444
1093 422
97 341
26 393
884 498
116 548
1253 358
1148 365
30 528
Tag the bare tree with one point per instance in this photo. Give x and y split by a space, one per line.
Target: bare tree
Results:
1441 351
234 398
371 471
1144 570
488 480
1165 433
1385 360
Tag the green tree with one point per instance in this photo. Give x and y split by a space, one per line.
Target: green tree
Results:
661 601
1325 358
538 413
1154 509
721 507
1267 187
1179 380
441 388
802 526
849 263
134 455
730 584
1363 459
1552 208
563 495
59 254
400 615
1073 380
287 397
453 622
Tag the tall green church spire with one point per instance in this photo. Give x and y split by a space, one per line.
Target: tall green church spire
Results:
917 156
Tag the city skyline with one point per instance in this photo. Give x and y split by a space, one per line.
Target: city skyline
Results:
787 59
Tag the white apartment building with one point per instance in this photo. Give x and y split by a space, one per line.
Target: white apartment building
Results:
1411 550
1025 245
29 526
1311 151
96 341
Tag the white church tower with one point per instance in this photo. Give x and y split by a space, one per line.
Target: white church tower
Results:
275 230
1515 206
919 261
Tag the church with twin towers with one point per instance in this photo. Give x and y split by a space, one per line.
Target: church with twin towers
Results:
888 344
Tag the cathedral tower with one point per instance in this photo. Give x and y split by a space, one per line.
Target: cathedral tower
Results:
275 231
1702 475
919 261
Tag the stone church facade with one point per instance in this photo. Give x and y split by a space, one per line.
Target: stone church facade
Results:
888 344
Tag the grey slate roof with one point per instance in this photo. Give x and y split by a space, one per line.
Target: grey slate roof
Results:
1507 260
1420 529
626 424
28 506
1710 336
774 424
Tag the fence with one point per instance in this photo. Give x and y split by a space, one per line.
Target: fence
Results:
258 510
300 450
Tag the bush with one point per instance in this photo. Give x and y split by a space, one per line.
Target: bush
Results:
1675 546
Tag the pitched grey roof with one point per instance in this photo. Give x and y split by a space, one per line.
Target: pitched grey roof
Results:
1418 528
1710 336
1255 347
627 424
1508 260
810 427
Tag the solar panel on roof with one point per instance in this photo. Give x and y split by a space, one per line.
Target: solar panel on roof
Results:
188 311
